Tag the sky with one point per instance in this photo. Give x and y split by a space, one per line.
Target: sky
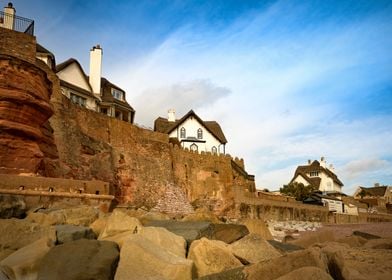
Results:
288 81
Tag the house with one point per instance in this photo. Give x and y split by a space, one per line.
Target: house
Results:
318 198
378 198
46 56
94 91
317 174
192 132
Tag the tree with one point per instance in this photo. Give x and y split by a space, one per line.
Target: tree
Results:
298 190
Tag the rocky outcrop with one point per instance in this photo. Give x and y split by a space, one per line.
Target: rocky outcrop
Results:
81 259
68 233
12 207
142 259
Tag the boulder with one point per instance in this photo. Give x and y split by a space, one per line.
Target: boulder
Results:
5 253
379 244
314 237
119 222
189 230
78 216
307 273
284 247
24 263
16 233
201 215
165 239
353 241
365 235
212 256
257 226
99 224
153 216
142 259
252 248
80 260
228 233
67 233
12 206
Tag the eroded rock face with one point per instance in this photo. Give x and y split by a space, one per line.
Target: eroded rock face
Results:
24 109
12 207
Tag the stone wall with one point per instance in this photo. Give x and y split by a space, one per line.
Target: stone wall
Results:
17 44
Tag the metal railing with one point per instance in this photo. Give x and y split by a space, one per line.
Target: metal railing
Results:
17 23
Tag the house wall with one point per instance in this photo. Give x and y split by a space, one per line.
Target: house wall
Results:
73 75
90 102
333 205
192 125
327 184
300 180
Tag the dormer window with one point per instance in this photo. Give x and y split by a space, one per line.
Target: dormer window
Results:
314 174
182 132
118 94
199 133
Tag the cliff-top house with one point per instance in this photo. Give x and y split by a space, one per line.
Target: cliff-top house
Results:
317 174
94 91
377 197
192 132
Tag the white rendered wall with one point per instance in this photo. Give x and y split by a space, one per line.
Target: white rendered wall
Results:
90 102
334 205
299 179
73 75
191 126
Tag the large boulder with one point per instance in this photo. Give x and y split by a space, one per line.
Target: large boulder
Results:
152 216
306 273
119 222
163 238
24 263
99 224
379 244
352 241
189 230
228 233
80 260
12 206
212 256
78 216
257 226
119 238
252 249
284 247
202 215
365 235
142 259
274 268
67 233
16 233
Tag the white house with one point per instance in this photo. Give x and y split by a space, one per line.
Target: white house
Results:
93 92
192 132
318 175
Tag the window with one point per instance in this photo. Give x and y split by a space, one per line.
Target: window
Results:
194 147
314 173
104 111
214 150
199 133
78 100
118 94
182 132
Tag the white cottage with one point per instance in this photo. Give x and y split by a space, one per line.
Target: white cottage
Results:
192 132
318 175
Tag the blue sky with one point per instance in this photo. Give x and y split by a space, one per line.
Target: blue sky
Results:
287 80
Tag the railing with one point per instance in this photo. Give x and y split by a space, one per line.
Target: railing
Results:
16 23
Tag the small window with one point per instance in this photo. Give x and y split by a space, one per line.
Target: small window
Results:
182 132
314 173
214 150
199 133
118 94
194 147
104 111
78 100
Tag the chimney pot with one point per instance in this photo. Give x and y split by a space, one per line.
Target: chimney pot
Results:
10 5
309 161
95 69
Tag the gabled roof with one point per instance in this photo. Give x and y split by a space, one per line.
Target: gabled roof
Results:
164 126
315 166
67 63
40 49
374 191
106 90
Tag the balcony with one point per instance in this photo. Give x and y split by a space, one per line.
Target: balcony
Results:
17 23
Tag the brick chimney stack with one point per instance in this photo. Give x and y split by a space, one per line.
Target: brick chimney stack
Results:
96 69
9 17
171 115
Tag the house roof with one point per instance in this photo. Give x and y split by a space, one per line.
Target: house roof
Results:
164 126
106 90
106 85
315 166
77 89
40 49
374 191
